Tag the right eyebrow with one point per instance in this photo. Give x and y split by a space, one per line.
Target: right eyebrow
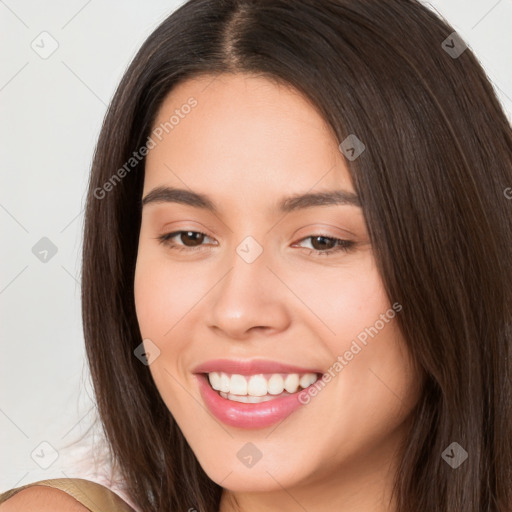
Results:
179 195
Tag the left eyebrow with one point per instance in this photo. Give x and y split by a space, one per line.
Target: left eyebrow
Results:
311 200
286 205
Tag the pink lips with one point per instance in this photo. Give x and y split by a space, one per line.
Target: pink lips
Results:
252 367
248 415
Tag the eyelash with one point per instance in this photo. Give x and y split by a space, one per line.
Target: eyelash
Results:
341 245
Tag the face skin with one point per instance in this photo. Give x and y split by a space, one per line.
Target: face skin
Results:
247 144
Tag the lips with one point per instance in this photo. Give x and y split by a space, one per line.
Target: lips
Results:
251 367
249 415
244 415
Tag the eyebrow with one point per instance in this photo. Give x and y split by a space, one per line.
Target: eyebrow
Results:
286 205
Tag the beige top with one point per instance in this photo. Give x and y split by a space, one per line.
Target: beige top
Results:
94 496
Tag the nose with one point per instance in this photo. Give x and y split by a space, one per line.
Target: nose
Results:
248 299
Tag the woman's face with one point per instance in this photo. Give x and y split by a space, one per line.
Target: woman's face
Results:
246 282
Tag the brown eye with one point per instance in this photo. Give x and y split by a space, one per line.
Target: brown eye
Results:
191 238
322 243
183 240
325 245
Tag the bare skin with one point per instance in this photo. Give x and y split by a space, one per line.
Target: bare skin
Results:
42 499
248 144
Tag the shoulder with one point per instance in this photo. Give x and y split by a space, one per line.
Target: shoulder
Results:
42 499
62 494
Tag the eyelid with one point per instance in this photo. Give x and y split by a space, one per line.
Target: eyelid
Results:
341 244
188 224
324 229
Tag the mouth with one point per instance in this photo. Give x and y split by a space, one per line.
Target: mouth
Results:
253 401
259 388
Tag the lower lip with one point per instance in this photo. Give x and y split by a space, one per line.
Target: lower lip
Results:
244 415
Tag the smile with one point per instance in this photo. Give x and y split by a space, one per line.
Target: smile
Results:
251 412
259 388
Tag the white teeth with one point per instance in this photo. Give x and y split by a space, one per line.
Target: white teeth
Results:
224 382
214 380
238 385
256 386
247 399
291 383
275 384
307 379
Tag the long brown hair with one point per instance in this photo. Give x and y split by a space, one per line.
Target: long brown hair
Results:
432 184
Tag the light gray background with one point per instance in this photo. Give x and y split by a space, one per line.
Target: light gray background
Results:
51 111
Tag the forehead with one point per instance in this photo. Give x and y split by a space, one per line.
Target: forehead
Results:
243 131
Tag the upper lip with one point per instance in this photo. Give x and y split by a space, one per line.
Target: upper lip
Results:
250 367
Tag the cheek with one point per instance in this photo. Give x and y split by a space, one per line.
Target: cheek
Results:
163 293
359 329
149 298
344 300
163 296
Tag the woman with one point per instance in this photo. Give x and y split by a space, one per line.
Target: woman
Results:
296 267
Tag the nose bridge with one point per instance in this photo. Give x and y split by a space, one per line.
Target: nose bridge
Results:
248 295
